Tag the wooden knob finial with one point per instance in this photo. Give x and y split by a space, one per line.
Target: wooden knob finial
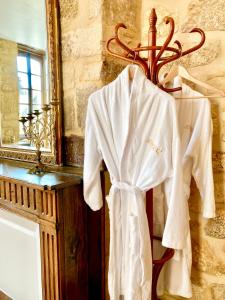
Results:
152 19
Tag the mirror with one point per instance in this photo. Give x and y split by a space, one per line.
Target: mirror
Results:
29 75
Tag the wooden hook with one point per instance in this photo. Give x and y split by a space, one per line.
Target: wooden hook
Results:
167 20
130 55
202 41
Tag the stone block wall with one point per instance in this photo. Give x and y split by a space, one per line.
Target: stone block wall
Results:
84 67
85 26
81 39
9 92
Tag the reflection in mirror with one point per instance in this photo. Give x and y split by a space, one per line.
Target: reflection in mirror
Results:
23 66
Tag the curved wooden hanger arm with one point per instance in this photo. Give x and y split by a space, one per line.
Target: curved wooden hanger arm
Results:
167 20
147 48
170 59
182 53
174 57
128 51
201 32
119 42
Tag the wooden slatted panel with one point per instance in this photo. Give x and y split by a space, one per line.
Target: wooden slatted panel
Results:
50 204
12 193
55 267
45 207
41 202
7 191
43 264
31 198
54 204
38 202
3 190
51 276
25 197
19 194
49 266
35 200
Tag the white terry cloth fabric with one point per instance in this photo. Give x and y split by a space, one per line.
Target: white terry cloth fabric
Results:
131 124
195 126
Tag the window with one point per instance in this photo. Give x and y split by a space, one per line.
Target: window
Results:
30 78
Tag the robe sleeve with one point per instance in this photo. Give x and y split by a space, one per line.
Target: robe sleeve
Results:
202 170
177 220
92 163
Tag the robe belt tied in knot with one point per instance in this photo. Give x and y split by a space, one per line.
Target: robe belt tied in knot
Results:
124 186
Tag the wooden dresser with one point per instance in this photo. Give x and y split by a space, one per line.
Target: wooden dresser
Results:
70 234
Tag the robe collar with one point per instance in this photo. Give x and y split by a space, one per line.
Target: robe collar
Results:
133 79
133 82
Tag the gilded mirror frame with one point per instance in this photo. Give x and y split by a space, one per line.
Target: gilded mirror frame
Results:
54 64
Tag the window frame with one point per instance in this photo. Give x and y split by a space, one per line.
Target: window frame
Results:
39 55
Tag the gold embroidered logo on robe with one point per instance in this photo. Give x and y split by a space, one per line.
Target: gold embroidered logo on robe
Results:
154 147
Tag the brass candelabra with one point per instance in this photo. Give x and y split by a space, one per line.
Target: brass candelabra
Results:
38 129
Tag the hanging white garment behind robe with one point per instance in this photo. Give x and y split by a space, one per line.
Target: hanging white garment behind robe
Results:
131 125
195 125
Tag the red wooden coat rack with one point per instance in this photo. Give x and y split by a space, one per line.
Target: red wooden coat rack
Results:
151 66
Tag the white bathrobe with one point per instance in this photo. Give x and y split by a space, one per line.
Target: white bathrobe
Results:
131 124
195 125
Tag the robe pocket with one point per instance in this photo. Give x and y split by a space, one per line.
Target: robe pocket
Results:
134 240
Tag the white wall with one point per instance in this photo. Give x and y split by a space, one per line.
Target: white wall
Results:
20 264
24 22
